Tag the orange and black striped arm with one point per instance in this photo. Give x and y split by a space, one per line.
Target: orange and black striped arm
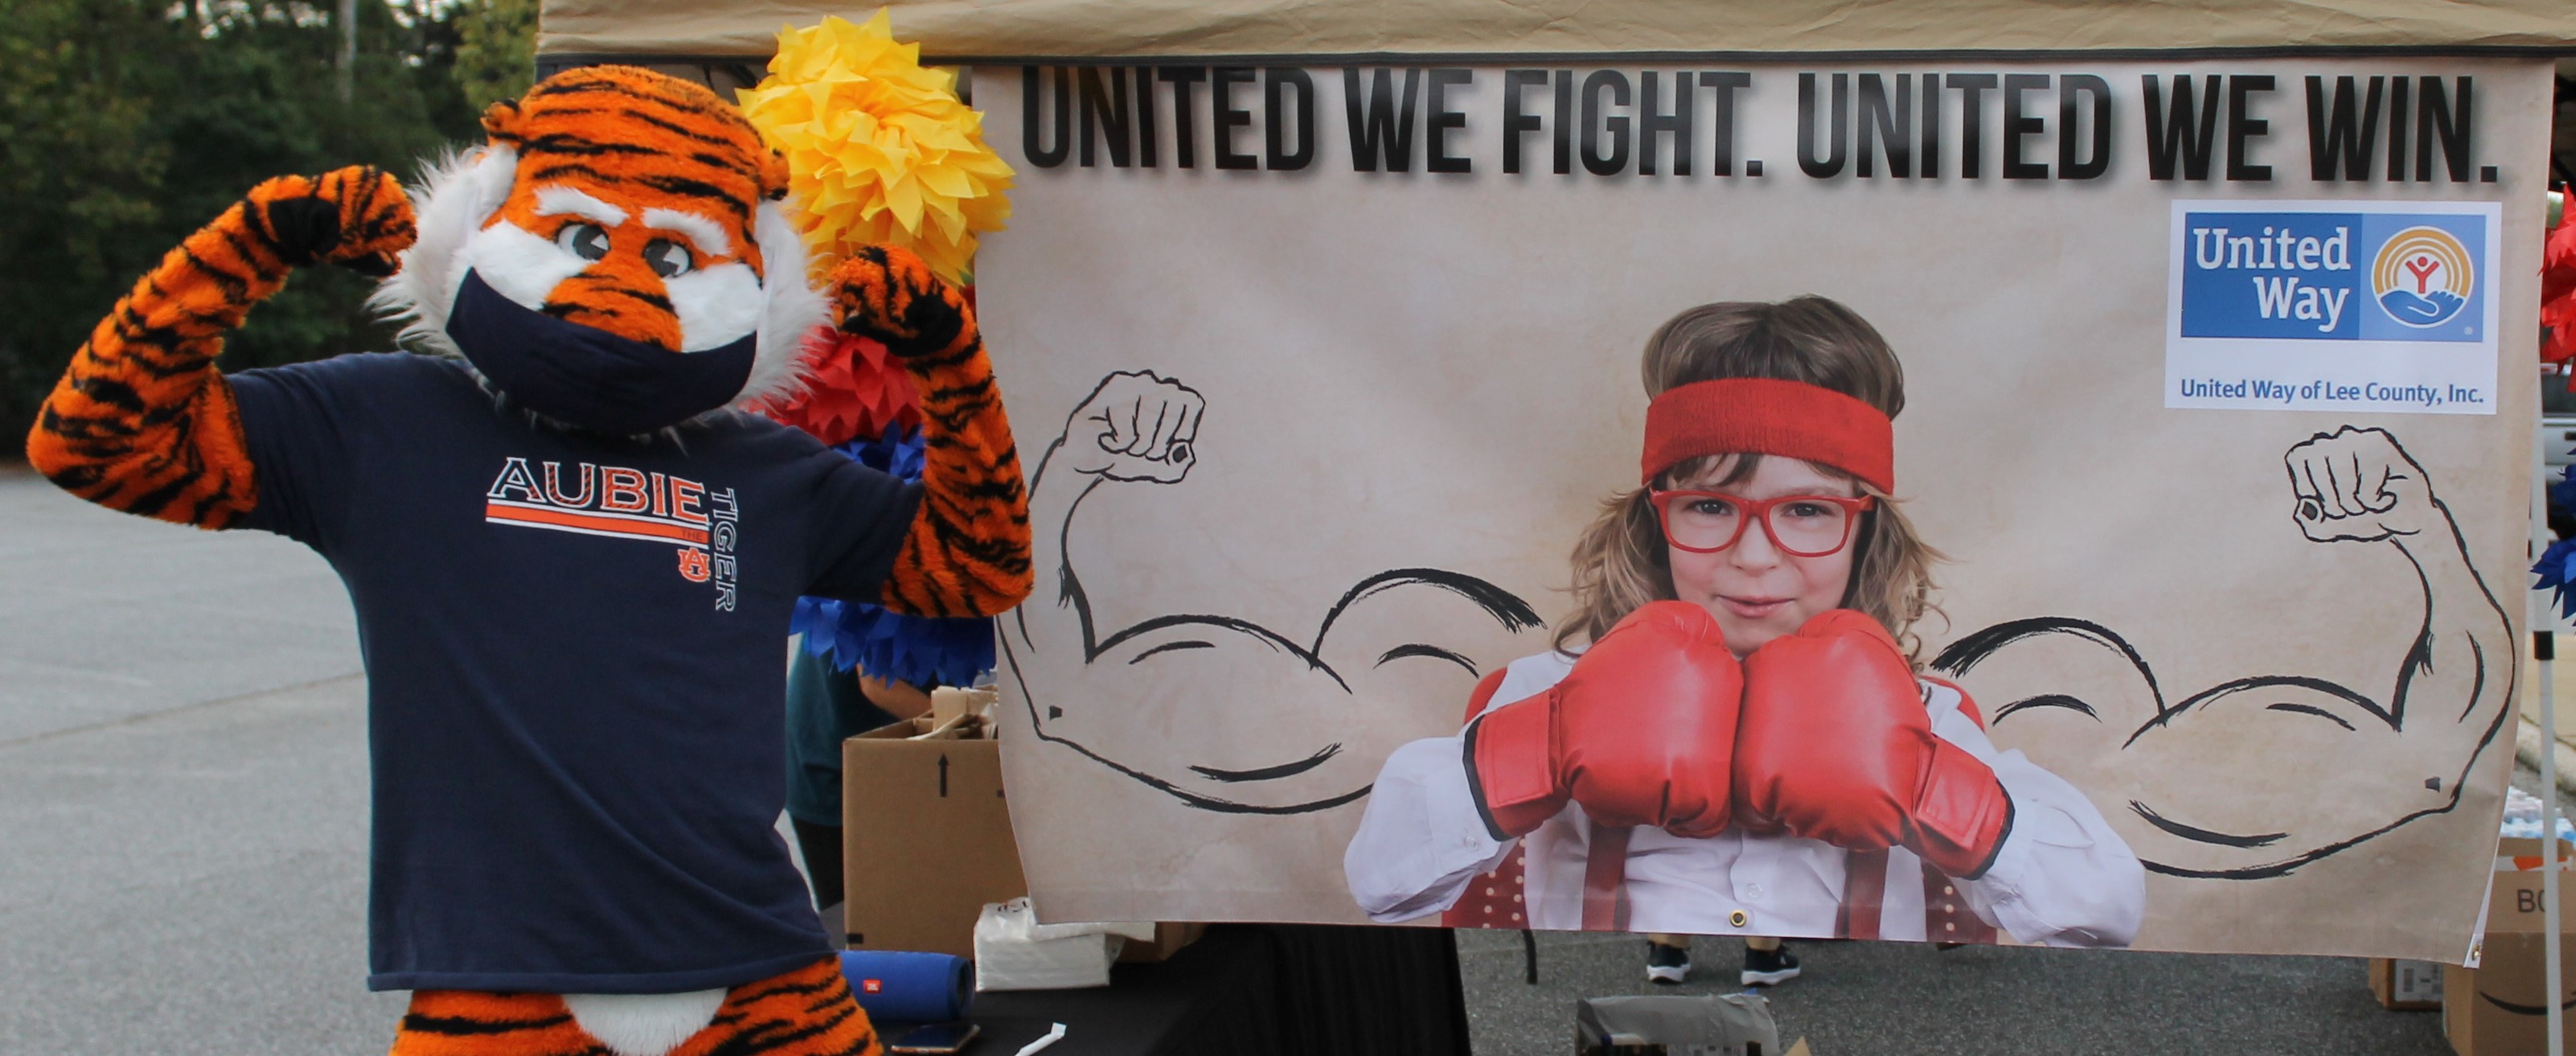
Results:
141 421
967 551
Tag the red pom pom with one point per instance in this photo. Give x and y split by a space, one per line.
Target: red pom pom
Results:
2558 290
853 388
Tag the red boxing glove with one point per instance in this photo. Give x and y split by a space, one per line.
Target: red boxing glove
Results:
1835 745
1641 732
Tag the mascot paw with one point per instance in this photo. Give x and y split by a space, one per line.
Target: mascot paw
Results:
888 295
357 217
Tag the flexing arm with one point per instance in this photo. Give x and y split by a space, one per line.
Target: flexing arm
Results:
2358 485
967 552
2260 775
141 421
1134 426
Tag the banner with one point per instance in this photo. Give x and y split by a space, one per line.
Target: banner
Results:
2212 407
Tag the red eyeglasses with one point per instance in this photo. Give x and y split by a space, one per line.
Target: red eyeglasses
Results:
1705 522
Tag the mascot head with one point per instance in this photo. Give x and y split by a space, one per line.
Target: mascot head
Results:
617 257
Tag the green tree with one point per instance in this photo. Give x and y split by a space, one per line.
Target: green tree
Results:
82 163
496 51
132 123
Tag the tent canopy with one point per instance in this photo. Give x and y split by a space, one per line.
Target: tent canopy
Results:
1319 30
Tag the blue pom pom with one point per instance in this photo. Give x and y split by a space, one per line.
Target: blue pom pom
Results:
2562 494
917 649
920 650
2555 575
898 453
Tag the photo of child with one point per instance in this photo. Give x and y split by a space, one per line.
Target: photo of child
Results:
1734 733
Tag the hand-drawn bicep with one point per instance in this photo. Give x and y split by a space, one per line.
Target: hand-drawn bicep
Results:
1221 713
2067 692
2261 775
1442 623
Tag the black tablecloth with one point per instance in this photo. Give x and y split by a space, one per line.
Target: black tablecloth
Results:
1254 990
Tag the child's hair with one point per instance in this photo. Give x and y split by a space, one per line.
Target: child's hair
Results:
1620 563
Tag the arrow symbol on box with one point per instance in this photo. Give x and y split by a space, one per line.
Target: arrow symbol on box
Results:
943 777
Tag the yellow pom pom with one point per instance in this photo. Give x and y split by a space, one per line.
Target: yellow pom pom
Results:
878 148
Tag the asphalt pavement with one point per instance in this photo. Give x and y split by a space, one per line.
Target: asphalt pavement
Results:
183 824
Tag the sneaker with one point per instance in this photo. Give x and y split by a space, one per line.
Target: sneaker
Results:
1769 967
1667 964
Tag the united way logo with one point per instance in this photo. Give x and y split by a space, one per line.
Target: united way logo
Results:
2282 272
2423 277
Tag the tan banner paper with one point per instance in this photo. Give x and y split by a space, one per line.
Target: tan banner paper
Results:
2216 407
965 29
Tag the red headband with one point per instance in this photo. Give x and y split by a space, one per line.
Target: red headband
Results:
1772 417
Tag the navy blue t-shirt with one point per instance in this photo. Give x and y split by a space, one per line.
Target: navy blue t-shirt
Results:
575 652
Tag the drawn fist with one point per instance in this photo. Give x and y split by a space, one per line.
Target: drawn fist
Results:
357 217
888 295
1135 426
2357 485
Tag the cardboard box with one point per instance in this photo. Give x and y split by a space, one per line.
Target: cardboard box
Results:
1168 940
2406 986
2513 902
2499 1007
926 837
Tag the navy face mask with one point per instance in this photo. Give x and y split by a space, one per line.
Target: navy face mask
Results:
586 377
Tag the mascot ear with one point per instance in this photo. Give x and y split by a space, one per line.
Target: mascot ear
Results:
501 123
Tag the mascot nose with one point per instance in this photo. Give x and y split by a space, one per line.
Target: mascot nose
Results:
621 295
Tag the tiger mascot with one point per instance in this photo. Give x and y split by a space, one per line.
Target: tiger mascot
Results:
572 559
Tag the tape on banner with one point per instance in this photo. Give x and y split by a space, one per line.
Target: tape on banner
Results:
910 987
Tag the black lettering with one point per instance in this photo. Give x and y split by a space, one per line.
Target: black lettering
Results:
1444 120
1033 111
1597 160
1727 82
1277 85
1229 116
2019 126
1972 120
2436 117
1890 120
1185 110
1381 120
2340 141
1516 121
1652 122
2242 126
1105 107
1832 163
2398 89
2070 164
1563 129
2526 901
1147 141
2180 132
1930 157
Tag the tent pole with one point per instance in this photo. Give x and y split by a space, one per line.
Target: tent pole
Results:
2544 649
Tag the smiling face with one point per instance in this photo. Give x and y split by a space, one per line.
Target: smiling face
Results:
1757 591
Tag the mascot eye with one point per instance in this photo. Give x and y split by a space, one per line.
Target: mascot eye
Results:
583 240
667 258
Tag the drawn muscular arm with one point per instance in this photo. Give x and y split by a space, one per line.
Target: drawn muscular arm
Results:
142 422
1135 427
2260 775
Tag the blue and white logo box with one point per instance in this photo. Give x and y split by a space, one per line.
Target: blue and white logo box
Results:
2332 306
